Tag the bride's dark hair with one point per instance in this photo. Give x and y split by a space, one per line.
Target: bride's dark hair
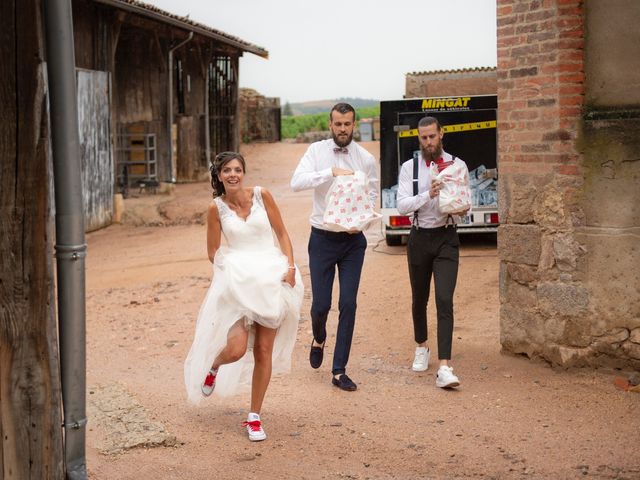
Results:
216 166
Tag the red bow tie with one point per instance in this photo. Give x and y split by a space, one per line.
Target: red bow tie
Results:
341 150
442 164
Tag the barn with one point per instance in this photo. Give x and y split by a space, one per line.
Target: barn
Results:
157 94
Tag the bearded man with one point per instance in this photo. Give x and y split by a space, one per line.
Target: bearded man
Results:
432 248
329 250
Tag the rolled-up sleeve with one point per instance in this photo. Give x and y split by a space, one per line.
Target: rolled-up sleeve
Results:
373 182
306 176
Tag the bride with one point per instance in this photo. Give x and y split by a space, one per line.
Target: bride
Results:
248 321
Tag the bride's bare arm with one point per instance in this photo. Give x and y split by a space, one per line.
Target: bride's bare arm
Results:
275 218
214 231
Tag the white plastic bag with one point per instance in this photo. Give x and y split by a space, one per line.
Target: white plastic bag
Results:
455 193
348 205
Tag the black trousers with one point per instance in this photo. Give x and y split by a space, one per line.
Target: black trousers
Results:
433 251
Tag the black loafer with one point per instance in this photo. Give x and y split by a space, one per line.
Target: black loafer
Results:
344 383
316 354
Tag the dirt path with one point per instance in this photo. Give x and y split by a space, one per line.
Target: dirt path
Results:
511 418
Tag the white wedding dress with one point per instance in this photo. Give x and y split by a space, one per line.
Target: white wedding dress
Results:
246 288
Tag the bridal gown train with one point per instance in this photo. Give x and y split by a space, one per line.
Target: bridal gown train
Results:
246 288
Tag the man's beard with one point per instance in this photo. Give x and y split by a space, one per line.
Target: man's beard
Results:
432 155
342 143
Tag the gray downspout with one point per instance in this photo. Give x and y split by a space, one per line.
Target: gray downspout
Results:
70 240
172 160
207 121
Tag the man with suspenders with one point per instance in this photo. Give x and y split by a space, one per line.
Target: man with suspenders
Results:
432 248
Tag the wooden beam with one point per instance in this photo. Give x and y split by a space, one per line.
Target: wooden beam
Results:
30 397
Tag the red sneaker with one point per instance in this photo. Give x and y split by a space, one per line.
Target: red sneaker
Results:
209 383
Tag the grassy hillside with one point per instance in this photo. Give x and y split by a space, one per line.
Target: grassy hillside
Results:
292 125
320 106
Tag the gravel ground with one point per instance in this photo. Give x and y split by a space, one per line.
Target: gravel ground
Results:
511 418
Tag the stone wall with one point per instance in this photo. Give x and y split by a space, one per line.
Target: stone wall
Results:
451 83
569 192
259 117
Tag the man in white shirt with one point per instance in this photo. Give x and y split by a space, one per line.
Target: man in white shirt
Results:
323 161
432 249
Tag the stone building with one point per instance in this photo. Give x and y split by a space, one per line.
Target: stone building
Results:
260 117
451 83
568 85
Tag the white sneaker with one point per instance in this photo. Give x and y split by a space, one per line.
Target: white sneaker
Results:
254 427
445 378
209 383
421 360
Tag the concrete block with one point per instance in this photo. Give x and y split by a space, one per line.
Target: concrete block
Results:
166 188
523 274
573 357
617 335
611 192
521 295
556 298
519 243
631 349
521 330
566 251
549 210
612 266
519 194
547 258
118 208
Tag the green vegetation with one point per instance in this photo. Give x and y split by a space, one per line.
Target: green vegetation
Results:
321 106
286 110
292 125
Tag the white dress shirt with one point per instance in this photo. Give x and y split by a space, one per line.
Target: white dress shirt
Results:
315 171
429 216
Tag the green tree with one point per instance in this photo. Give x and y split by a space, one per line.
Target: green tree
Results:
286 110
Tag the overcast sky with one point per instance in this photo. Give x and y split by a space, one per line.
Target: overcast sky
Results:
348 48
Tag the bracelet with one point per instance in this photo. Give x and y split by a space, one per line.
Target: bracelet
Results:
291 267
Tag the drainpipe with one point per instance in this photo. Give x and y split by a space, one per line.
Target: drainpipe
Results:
70 240
172 160
207 121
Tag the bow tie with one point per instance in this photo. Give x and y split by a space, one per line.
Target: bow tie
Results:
341 150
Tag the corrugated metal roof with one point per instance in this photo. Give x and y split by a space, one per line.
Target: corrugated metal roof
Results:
160 15
459 70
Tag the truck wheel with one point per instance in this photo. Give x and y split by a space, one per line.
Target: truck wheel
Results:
393 240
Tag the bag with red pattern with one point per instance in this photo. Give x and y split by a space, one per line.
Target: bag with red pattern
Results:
455 193
348 205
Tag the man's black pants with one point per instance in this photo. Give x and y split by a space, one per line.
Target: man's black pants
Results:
433 251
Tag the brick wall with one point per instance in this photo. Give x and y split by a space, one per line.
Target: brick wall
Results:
540 85
569 187
540 92
479 81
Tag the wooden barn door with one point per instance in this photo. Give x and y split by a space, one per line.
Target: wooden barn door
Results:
223 95
95 147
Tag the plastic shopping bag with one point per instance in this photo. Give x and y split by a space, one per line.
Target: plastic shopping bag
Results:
455 193
348 205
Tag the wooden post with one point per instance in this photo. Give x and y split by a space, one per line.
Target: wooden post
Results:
30 397
235 101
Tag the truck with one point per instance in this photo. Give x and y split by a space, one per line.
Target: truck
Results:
470 133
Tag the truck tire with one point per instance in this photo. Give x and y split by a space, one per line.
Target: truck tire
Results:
393 240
